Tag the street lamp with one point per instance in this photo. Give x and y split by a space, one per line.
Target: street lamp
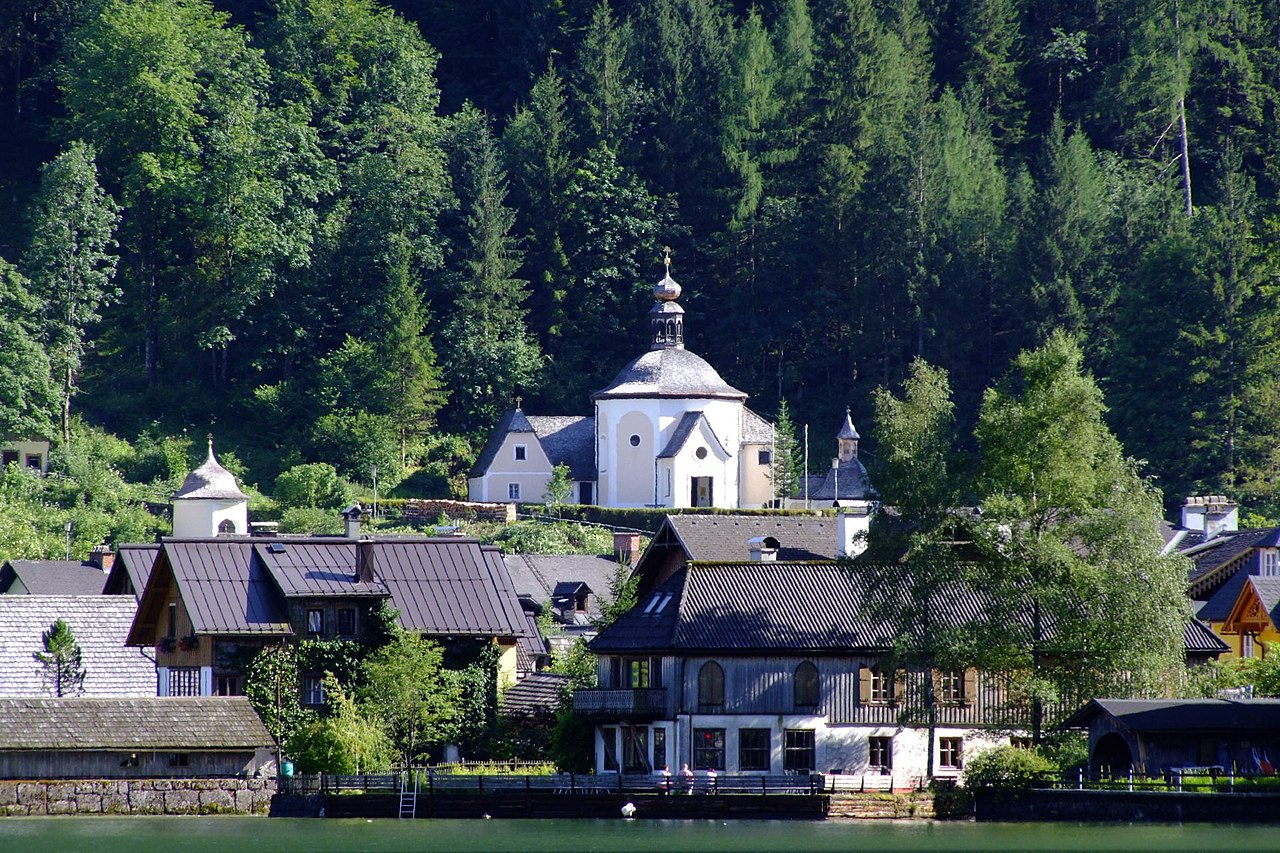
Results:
69 526
375 491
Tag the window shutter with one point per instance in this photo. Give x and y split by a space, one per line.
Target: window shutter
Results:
970 686
900 685
864 684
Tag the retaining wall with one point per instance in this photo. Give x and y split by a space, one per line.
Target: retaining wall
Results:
136 796
917 804
1155 806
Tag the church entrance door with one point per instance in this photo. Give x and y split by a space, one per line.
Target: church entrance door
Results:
700 493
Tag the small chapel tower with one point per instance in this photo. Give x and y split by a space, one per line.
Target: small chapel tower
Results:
210 503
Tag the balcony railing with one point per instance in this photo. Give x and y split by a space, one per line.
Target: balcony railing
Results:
628 704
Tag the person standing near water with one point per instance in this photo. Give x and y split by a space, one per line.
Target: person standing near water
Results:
688 778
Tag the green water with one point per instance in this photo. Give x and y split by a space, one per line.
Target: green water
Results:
268 835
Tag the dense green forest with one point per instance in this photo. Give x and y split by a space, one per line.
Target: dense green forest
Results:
332 230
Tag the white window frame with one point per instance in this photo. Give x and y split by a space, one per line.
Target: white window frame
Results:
951 753
313 690
513 491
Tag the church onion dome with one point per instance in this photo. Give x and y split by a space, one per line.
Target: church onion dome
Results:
210 482
667 290
669 372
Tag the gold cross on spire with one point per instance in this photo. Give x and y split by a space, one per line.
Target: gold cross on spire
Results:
666 258
519 399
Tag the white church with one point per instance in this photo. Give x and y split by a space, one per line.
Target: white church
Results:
668 431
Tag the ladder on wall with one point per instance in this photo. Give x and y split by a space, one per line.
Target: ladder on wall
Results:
408 794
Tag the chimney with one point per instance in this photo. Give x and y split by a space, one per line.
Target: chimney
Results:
351 521
364 561
763 549
853 521
1211 515
103 557
626 546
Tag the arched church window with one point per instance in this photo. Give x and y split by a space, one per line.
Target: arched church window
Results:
806 685
711 685
226 526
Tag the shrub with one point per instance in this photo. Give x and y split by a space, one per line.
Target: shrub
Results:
310 520
315 484
1007 767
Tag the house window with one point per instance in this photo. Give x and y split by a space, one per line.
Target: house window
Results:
711 686
708 749
701 453
227 685
226 526
659 748
184 681
765 457
34 461
179 759
951 753
522 452
1246 646
635 750
880 753
346 621
173 620
513 491
668 492
881 686
798 750
584 493
315 621
805 686
950 686
753 749
8 457
609 735
1270 563
313 690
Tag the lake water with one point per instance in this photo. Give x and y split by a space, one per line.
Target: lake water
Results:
276 835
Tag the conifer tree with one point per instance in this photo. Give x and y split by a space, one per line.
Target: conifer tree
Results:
61 661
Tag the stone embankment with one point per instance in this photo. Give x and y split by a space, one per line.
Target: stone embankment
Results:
917 804
137 796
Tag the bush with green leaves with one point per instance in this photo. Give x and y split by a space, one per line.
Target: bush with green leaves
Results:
1007 767
309 519
314 484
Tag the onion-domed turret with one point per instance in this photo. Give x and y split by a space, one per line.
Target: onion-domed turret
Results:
210 502
666 319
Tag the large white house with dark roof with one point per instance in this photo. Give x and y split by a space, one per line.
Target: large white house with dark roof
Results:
668 431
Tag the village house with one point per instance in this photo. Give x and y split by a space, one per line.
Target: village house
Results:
28 452
214 596
668 431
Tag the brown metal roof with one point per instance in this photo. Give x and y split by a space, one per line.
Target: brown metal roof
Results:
317 569
450 586
131 570
224 589
163 723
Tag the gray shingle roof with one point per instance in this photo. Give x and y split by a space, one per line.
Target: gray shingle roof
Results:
670 372
755 429
1213 560
53 577
723 538
684 430
536 693
851 479
766 607
1178 715
1198 638
159 723
99 623
1268 590
1219 605
210 482
512 421
568 440
537 575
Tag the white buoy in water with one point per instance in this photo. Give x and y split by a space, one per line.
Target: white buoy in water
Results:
629 811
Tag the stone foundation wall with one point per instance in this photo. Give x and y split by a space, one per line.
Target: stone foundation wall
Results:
137 796
882 805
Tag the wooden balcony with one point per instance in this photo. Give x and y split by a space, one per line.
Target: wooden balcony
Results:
646 703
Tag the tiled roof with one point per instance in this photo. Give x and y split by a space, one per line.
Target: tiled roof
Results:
161 723
210 482
767 607
1179 715
53 577
850 478
755 429
568 440
99 623
536 693
512 421
1197 637
538 575
1268 590
531 648
723 538
684 430
669 373
1213 559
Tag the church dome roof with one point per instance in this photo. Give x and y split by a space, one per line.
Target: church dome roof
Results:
669 372
210 482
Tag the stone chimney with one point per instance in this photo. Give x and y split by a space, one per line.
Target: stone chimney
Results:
351 517
103 557
364 561
1211 515
853 521
763 549
626 546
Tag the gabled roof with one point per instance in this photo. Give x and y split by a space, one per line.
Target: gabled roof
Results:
53 577
538 575
99 624
512 421
1257 605
1198 638
1183 715
317 569
450 586
755 429
689 423
162 723
536 693
568 440
671 372
1215 560
767 608
131 570
723 538
1224 598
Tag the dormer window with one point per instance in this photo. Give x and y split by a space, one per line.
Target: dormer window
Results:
1270 562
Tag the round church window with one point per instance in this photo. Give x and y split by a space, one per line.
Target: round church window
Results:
635 440
701 453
